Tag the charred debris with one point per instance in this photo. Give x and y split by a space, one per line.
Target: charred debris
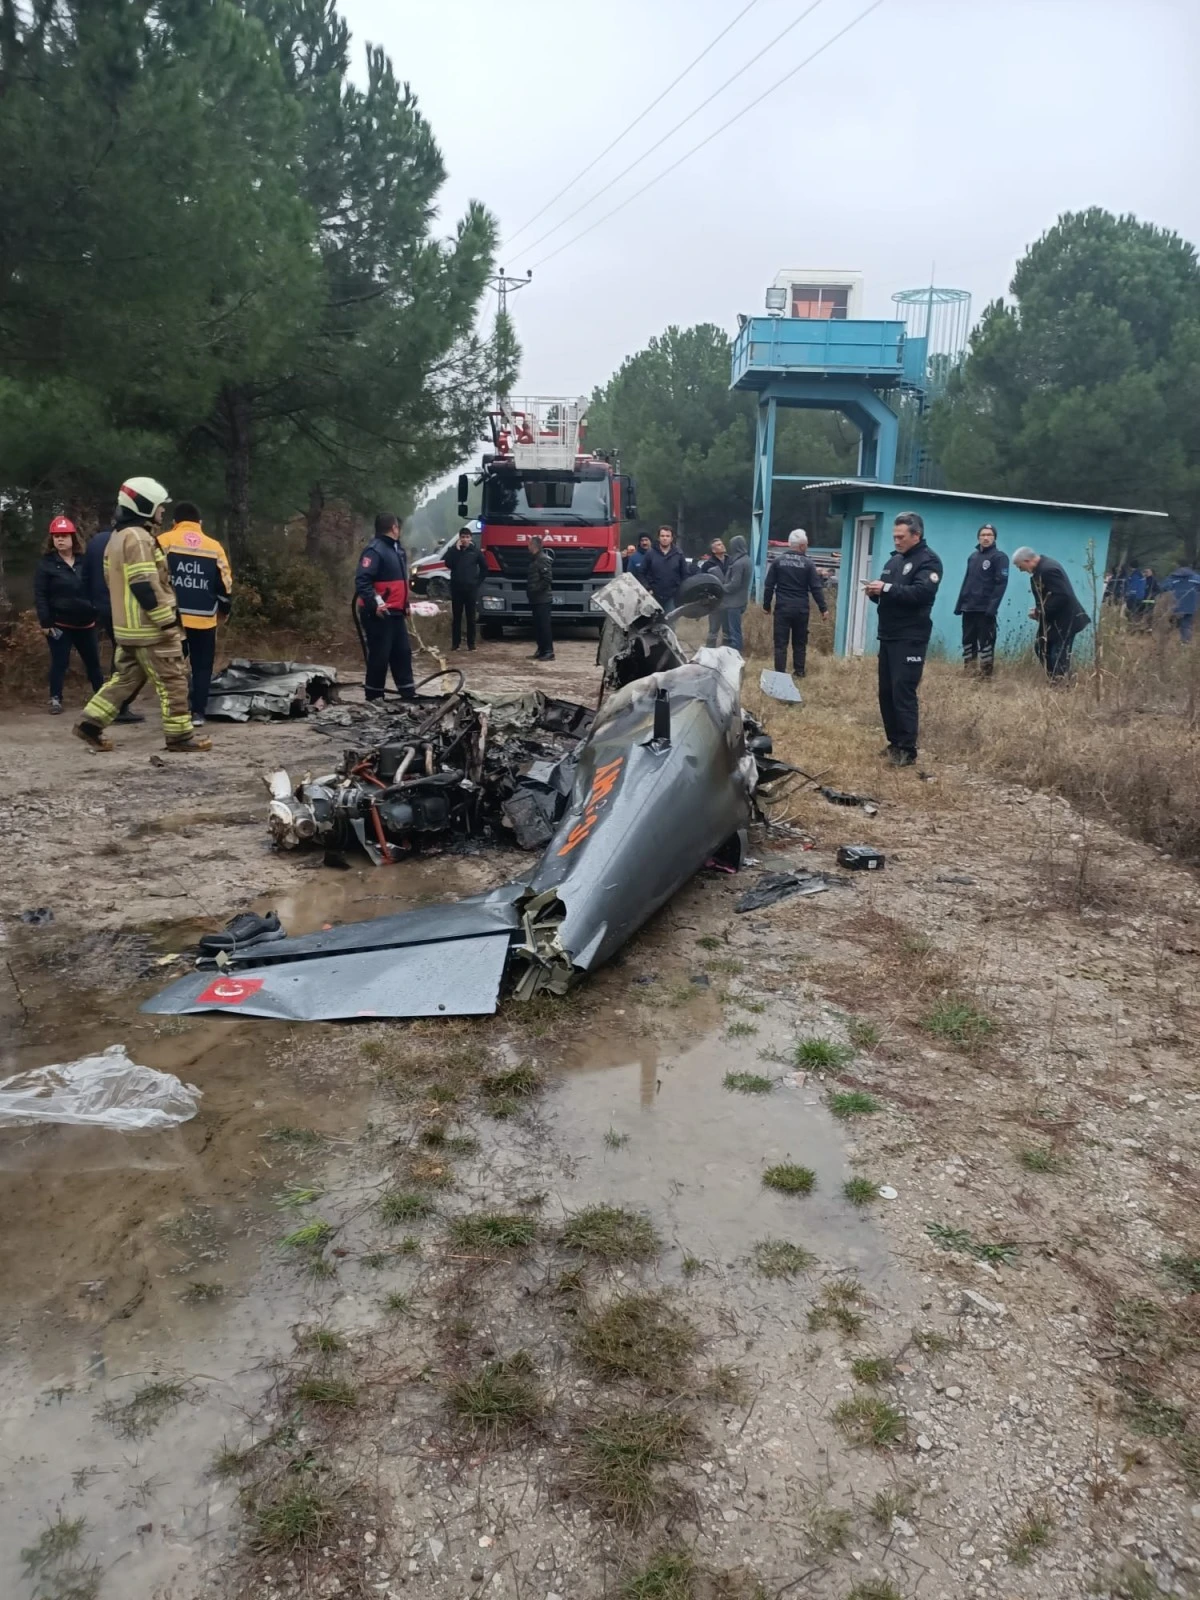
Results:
626 804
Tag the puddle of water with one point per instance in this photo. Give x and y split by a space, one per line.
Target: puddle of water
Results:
694 1153
104 1232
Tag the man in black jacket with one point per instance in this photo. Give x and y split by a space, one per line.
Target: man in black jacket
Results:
381 594
1056 610
665 569
791 579
468 569
904 592
539 586
979 600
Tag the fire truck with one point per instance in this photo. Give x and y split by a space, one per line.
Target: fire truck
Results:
539 479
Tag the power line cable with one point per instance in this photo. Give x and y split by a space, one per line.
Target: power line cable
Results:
629 127
778 84
770 45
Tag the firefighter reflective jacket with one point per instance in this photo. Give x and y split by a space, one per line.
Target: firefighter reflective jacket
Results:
200 574
139 585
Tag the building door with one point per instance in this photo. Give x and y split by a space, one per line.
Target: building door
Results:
860 573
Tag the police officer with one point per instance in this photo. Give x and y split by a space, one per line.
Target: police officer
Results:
539 586
979 599
381 594
904 592
791 578
468 569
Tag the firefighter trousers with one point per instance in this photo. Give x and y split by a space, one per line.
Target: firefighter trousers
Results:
160 664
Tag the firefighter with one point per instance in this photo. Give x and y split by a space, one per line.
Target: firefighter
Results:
539 586
149 639
1056 610
64 609
979 599
791 579
203 587
381 594
904 592
468 569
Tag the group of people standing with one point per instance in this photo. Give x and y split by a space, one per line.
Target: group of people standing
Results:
156 593
1137 590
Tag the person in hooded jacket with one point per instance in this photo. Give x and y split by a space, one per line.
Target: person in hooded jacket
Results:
65 611
1183 585
738 572
791 579
983 587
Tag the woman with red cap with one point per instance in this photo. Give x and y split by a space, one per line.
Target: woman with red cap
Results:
65 611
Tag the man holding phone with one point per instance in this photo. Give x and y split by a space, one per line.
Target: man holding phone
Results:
904 592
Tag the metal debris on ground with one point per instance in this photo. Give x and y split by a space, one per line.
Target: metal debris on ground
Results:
437 770
104 1091
670 741
780 687
838 797
775 886
266 691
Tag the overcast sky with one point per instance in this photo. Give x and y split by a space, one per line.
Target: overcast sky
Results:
936 131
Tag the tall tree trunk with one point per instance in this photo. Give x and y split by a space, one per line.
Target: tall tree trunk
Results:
5 598
236 405
312 523
679 524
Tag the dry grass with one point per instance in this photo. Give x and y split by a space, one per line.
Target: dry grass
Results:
624 1459
639 1337
610 1234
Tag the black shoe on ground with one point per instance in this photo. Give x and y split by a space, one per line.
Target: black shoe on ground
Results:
537 656
247 928
887 752
126 716
456 647
470 647
903 758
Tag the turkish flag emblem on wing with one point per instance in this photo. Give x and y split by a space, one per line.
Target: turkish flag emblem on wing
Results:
229 991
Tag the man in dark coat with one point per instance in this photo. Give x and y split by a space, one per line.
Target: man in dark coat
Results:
637 561
1056 610
979 599
904 592
791 579
716 563
539 586
665 569
467 569
381 594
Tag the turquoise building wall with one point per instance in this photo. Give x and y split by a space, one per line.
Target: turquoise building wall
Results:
1069 535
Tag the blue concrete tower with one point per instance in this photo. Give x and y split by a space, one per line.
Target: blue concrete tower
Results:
826 362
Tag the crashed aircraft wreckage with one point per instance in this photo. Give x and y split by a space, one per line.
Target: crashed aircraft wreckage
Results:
664 781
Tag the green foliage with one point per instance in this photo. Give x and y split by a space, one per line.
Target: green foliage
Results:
824 1054
689 440
223 264
853 1103
1086 388
789 1178
777 1258
611 1233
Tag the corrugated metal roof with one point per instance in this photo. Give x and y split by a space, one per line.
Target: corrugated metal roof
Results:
847 484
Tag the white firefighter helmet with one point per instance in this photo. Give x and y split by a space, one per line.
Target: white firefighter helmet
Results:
142 496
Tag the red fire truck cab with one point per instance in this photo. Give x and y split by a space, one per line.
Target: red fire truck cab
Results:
540 480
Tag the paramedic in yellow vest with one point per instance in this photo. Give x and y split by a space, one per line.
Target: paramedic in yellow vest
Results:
149 640
203 586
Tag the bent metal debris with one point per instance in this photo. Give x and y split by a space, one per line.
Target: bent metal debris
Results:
670 739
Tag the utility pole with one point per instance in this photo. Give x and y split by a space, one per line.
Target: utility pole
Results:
504 285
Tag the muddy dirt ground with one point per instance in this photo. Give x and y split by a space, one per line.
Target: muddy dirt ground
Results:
973 1373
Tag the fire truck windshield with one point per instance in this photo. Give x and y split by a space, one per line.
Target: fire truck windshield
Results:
547 499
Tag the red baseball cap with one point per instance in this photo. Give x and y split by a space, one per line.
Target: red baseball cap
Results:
62 525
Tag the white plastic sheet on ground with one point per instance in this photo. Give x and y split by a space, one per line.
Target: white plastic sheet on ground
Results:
104 1091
